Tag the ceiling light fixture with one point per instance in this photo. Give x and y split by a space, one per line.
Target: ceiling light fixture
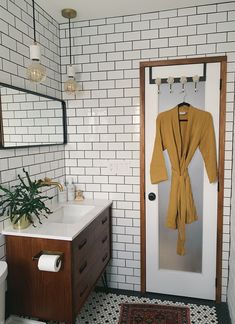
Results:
70 85
35 72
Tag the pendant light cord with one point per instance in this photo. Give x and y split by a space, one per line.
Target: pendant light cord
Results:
70 46
34 27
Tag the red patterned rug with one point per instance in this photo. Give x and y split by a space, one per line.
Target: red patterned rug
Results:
153 314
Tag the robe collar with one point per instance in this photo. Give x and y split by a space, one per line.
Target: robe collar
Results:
176 124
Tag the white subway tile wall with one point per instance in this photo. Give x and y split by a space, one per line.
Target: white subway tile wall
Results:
103 118
15 37
106 115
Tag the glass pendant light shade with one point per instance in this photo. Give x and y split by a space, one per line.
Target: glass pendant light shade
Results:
70 86
36 72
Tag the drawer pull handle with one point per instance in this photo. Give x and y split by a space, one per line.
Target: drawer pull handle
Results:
83 291
105 257
83 267
82 244
104 220
105 239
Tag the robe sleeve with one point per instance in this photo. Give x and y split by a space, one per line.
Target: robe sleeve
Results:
158 170
207 147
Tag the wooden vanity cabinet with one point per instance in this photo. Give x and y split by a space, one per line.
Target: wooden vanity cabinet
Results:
91 252
59 295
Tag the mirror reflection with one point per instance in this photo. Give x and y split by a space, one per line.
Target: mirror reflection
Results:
30 119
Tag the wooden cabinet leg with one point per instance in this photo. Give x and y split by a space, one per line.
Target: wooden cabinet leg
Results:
104 280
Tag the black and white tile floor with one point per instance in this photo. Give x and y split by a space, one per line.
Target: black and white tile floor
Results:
103 307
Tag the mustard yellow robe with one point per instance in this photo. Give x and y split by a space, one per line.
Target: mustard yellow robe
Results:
181 139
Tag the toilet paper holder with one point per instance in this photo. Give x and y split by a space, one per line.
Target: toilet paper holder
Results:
61 254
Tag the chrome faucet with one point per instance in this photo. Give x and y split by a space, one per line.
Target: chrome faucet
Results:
49 182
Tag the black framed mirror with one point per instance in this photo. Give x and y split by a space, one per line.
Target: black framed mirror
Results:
29 119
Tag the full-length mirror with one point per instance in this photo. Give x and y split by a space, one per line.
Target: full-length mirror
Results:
30 119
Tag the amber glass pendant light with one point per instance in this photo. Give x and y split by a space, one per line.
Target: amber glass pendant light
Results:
70 86
35 72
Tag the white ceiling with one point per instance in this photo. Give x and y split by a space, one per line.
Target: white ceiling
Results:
93 9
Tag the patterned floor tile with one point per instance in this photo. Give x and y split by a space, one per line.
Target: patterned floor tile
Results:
103 308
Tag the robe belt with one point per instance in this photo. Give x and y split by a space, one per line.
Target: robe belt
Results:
183 185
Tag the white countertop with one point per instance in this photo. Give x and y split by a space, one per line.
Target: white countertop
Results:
50 229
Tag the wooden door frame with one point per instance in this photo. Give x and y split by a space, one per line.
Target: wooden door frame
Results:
223 65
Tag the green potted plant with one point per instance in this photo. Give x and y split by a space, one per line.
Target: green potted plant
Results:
23 202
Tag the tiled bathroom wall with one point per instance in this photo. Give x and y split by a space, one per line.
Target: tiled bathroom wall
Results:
16 34
104 117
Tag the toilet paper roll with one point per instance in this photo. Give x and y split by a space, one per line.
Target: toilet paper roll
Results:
49 262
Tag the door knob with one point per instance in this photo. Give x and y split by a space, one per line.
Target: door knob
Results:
152 196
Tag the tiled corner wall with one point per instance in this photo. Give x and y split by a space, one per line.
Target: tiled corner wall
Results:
16 34
104 117
103 120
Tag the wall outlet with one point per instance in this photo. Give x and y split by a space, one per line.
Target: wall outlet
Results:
119 167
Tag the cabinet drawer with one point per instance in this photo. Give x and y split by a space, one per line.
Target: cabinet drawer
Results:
91 251
100 264
82 252
103 243
102 222
81 291
104 258
82 268
83 242
95 262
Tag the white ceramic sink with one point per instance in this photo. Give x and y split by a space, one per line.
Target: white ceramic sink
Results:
66 222
69 214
